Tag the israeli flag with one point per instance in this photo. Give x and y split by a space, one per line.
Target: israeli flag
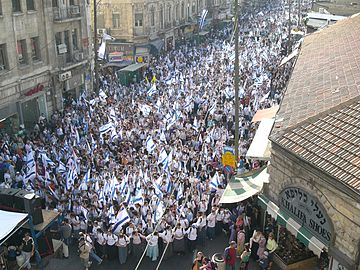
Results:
196 124
138 198
158 191
102 94
152 90
163 137
162 157
168 161
121 219
171 122
212 108
160 209
61 168
70 178
106 128
128 196
179 194
145 109
113 115
113 135
150 145
124 184
215 181
111 214
46 161
203 18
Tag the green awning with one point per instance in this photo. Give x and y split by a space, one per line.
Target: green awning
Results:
283 219
133 67
242 188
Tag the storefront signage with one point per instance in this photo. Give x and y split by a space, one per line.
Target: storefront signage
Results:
228 158
34 90
308 211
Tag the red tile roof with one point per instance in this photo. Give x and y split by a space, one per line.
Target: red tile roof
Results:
319 117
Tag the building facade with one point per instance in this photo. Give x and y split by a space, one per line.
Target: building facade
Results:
152 25
44 57
314 170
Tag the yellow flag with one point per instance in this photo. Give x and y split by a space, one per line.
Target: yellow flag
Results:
153 79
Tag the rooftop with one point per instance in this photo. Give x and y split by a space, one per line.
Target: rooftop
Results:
319 118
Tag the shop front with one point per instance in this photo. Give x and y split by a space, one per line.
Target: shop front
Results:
304 230
32 105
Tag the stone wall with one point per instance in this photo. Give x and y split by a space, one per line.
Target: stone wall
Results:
343 207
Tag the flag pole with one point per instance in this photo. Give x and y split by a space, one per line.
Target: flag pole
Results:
236 85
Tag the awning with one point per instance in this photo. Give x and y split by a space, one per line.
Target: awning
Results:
265 114
242 188
260 145
203 33
283 219
158 44
133 67
9 222
289 57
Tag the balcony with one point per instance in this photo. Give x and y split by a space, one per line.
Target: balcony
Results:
66 13
68 61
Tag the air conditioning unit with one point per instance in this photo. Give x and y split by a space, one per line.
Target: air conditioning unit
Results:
78 56
101 31
74 10
64 76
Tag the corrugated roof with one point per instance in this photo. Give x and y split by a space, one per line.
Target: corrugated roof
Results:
319 117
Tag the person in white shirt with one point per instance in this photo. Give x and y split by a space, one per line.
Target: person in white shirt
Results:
179 244
122 244
211 222
219 220
136 245
191 233
153 248
111 250
75 222
201 225
167 240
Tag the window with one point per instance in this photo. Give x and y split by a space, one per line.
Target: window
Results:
35 49
193 8
0 8
75 39
3 58
152 16
21 51
138 19
55 3
30 5
16 7
182 10
177 11
161 17
169 13
58 41
116 20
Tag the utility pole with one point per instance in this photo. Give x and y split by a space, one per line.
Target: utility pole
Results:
96 84
236 85
289 34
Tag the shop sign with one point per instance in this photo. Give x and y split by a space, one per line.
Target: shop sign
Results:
34 90
228 158
308 211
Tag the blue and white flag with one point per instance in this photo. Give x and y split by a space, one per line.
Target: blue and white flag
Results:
180 193
46 161
152 90
203 18
112 218
106 128
113 115
171 122
150 145
212 108
163 157
215 181
163 137
138 198
30 167
121 219
160 209
124 184
145 109
196 124
70 178
128 196
157 190
61 168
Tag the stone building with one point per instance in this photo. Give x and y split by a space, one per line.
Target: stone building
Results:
149 26
315 158
44 57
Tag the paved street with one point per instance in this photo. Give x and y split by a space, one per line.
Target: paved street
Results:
174 263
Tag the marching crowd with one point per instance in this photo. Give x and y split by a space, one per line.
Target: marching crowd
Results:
139 168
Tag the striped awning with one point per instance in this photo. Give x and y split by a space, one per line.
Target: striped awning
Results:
283 219
242 188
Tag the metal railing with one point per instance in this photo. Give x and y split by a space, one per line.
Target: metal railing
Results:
65 13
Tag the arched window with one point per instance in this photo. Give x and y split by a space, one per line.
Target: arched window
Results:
152 16
182 10
169 13
161 17
193 10
177 11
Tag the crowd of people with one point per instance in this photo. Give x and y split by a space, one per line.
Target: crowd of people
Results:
138 169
